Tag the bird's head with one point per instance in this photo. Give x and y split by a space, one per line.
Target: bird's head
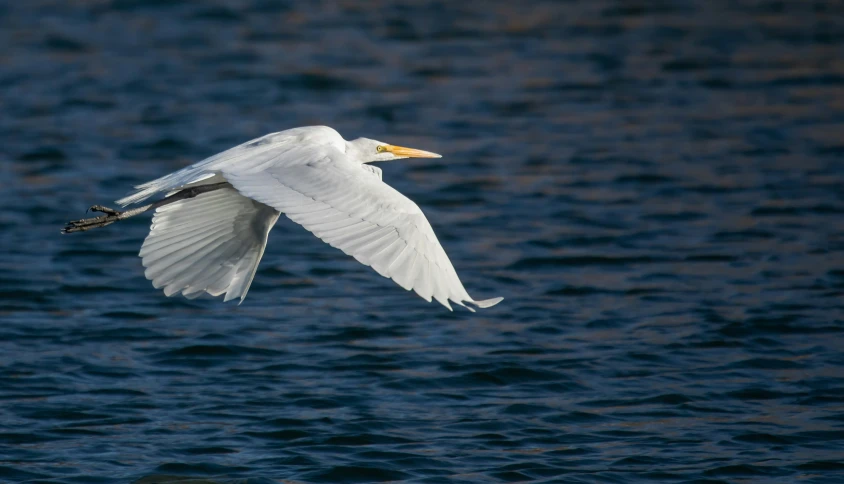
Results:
368 150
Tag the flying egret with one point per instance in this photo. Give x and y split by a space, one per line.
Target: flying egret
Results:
208 234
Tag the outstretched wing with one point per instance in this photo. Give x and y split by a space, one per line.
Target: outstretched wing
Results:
343 204
208 244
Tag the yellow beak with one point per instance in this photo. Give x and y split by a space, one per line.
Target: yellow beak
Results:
410 152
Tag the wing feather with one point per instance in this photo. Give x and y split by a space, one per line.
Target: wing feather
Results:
209 244
354 211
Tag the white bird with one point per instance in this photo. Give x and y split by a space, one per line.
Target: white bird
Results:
209 233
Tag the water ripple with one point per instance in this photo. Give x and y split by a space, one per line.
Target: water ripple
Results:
655 187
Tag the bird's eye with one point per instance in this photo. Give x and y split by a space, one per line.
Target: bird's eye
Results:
379 149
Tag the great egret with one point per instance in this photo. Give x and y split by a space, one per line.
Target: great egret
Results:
209 233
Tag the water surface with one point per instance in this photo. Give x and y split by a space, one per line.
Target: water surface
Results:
654 187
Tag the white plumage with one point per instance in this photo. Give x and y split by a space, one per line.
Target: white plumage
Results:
209 244
213 243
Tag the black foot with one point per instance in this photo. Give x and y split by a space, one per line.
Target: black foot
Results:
109 218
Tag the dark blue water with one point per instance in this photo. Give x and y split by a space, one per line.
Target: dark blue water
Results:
657 189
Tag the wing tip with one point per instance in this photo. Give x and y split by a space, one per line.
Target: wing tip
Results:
487 303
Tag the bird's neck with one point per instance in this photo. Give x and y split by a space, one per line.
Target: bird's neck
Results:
353 152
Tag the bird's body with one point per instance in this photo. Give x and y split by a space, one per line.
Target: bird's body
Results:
212 242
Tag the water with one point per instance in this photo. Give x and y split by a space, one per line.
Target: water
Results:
655 188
